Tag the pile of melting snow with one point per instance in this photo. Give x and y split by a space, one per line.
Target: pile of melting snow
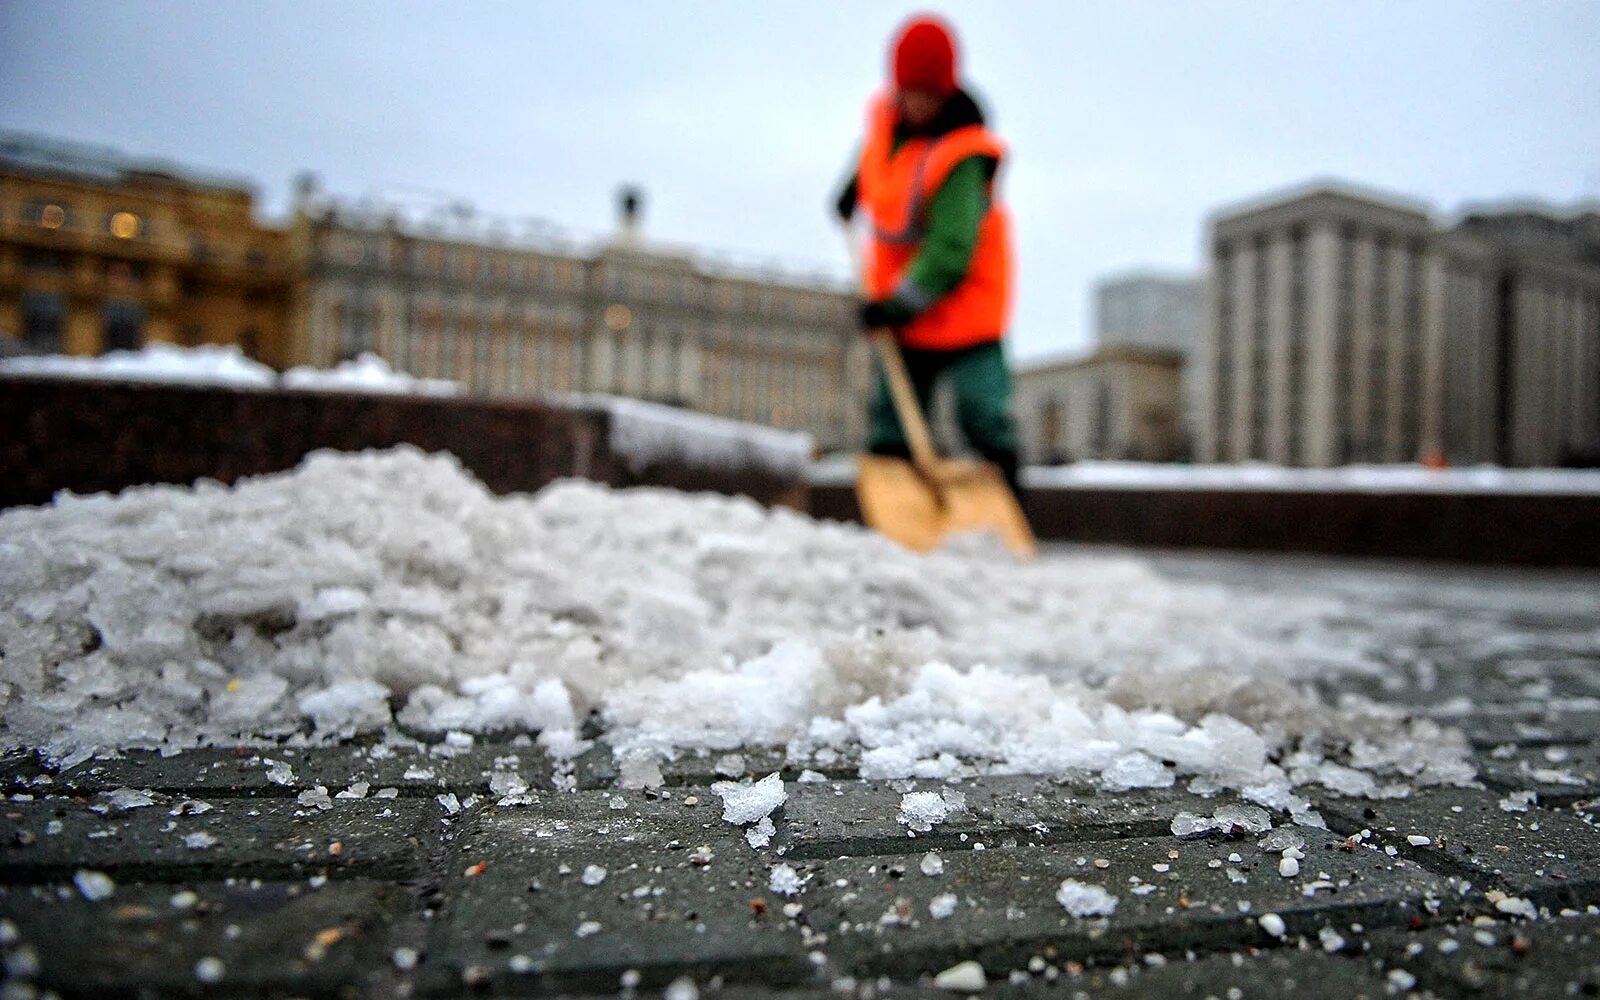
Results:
390 590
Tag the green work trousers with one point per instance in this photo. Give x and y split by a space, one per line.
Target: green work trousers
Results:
982 387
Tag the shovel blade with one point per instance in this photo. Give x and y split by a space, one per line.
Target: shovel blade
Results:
957 496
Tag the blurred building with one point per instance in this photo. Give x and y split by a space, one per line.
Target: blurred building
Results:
1522 354
1144 309
99 252
1164 312
1118 402
1343 326
448 299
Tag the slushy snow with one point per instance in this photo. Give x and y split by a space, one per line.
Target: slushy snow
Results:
363 592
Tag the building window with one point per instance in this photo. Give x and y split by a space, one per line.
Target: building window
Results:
125 225
44 261
44 318
45 214
124 274
124 326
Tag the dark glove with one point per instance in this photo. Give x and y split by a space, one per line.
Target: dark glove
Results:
876 316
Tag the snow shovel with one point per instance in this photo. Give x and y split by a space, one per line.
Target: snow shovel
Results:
922 502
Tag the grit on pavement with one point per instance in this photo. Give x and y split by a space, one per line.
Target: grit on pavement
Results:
344 872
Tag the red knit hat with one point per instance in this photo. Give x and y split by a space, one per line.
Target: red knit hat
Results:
924 56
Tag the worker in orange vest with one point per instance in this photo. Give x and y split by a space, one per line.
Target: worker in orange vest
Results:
937 267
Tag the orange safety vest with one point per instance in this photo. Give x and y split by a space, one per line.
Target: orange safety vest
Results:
895 188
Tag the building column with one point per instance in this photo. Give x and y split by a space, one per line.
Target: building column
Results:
1589 391
1238 407
1397 344
1434 305
1277 389
1321 333
83 331
1363 335
1209 402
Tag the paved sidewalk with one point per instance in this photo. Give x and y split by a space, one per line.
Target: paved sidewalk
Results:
232 875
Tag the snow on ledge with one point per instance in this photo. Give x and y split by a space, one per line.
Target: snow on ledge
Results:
1348 478
367 373
207 364
647 433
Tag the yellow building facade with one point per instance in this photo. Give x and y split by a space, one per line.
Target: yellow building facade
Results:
98 253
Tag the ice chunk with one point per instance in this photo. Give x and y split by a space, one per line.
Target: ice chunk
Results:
315 798
199 840
747 803
1518 802
761 832
347 707
1250 819
785 881
1280 840
640 770
1084 900
921 811
123 799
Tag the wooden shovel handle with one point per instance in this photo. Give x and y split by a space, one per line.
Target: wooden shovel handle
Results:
923 455
904 396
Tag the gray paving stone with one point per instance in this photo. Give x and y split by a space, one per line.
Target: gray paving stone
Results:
824 820
662 914
1008 912
245 771
1533 724
271 938
1556 958
518 922
1547 855
1560 774
49 839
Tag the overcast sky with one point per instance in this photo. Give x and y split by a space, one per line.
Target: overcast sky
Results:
1128 122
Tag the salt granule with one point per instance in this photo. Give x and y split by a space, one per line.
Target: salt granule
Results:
931 864
682 988
942 905
964 977
210 970
593 875
94 885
